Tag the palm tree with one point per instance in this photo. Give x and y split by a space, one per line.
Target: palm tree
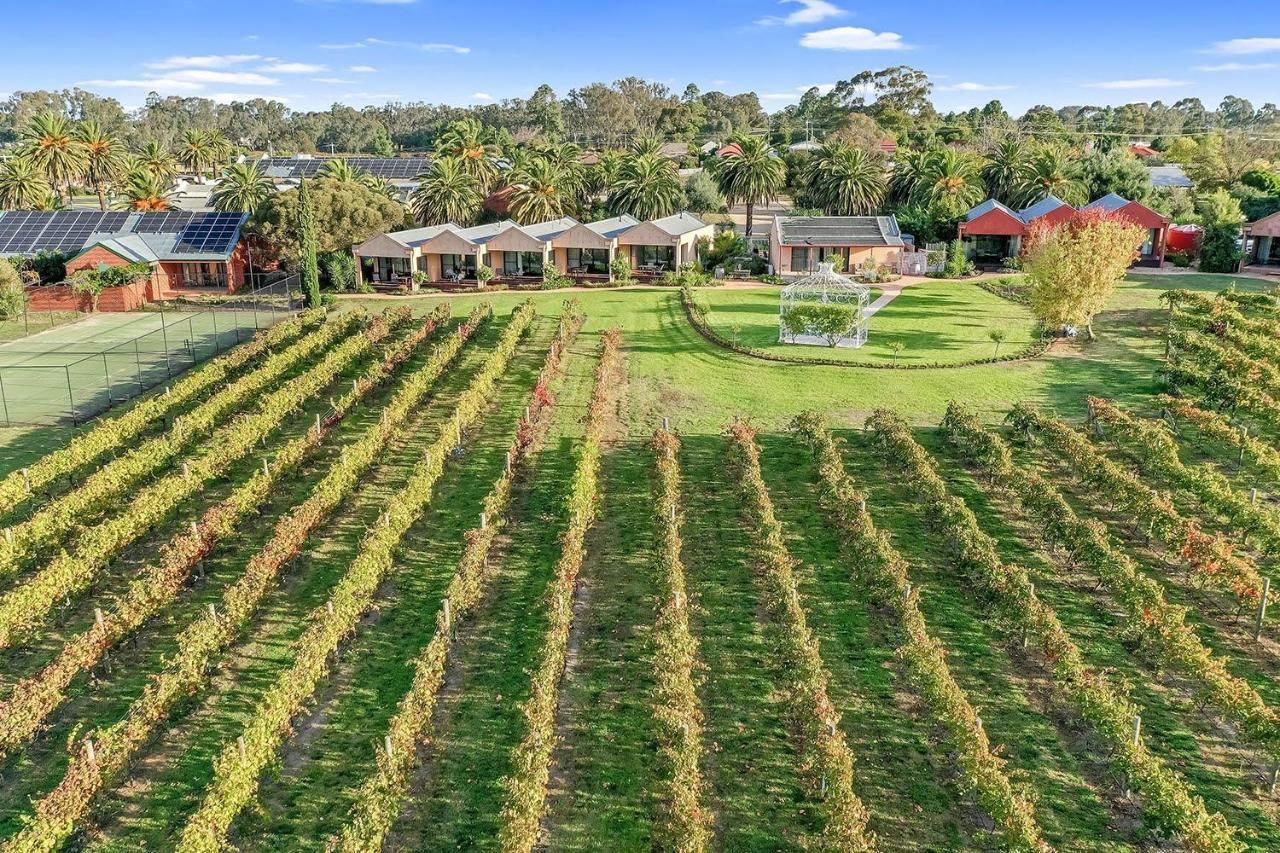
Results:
339 169
158 160
1007 167
600 177
950 183
50 141
540 191
1049 173
647 187
845 180
375 184
646 145
196 152
447 192
106 159
23 185
755 175
908 169
468 141
566 159
244 187
220 147
143 190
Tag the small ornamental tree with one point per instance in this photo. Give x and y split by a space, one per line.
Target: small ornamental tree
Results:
1074 266
13 299
307 242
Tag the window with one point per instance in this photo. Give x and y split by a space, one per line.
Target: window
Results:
1149 244
522 263
204 275
799 259
654 256
452 266
595 261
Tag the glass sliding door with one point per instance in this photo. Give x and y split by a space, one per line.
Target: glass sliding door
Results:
458 267
590 261
522 263
653 258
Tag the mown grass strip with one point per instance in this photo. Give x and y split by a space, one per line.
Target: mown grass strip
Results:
53 522
27 605
1159 627
526 785
382 795
34 698
237 770
1089 694
824 757
686 823
113 433
103 758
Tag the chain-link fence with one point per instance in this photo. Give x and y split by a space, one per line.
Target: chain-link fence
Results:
75 371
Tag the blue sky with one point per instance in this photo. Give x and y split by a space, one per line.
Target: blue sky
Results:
310 53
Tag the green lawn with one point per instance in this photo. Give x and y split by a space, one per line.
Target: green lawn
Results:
943 322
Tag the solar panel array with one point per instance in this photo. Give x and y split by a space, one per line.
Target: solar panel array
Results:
387 168
209 232
26 232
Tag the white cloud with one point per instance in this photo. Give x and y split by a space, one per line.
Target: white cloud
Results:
1239 66
362 69
369 96
294 68
810 12
975 87
228 97
352 45
1246 46
1143 83
482 96
429 47
336 81
163 85
233 78
852 38
208 61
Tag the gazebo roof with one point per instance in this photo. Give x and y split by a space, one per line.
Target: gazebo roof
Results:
825 280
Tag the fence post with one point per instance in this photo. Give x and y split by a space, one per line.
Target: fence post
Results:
71 396
217 344
191 340
106 373
137 360
164 332
5 399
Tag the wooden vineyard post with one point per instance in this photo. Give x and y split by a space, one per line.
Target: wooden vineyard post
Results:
1262 609
386 745
1137 729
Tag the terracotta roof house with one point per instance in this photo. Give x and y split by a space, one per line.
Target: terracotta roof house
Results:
517 253
184 248
1143 150
1265 235
797 244
1151 253
992 231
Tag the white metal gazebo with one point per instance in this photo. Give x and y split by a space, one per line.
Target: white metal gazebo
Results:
824 309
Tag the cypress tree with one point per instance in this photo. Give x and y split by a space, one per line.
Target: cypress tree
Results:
307 246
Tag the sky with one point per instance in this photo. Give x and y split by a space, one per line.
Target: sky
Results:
311 53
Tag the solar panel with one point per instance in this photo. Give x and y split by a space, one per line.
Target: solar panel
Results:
387 168
209 232
26 237
167 222
9 224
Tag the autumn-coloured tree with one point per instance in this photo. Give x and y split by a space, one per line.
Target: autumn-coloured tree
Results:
1074 266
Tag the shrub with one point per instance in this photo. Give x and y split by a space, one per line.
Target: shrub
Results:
1218 252
91 283
832 323
340 271
552 279
958 264
13 299
687 276
484 273
1179 259
620 270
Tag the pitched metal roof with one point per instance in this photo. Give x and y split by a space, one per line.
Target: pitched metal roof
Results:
679 223
989 205
1109 202
1170 175
1048 204
612 227
839 230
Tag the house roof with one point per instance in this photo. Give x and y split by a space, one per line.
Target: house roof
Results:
613 226
838 230
1169 175
545 231
679 223
174 235
675 150
1048 204
989 205
1111 202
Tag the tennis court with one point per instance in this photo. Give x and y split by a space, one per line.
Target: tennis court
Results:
72 372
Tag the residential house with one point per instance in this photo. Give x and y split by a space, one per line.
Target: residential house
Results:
1262 239
1151 253
447 253
797 244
